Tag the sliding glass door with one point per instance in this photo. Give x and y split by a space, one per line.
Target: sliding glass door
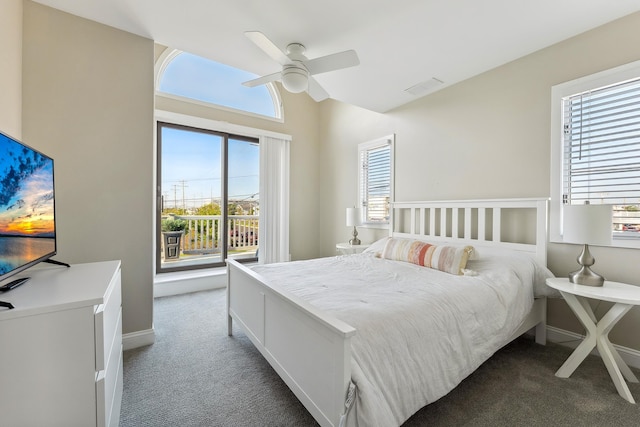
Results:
207 197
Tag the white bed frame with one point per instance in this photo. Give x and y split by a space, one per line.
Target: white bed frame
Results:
311 350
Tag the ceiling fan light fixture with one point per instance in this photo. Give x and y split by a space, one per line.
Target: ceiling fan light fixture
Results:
297 69
295 78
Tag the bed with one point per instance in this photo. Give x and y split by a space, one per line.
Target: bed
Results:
361 340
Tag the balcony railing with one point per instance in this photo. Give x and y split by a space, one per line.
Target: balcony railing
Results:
202 236
204 233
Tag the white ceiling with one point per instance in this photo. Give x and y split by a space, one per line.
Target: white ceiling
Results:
400 43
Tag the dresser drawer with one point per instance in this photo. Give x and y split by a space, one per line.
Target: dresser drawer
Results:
109 385
108 325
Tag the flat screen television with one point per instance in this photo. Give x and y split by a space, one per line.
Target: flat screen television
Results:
27 207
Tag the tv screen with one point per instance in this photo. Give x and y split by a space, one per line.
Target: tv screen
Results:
27 207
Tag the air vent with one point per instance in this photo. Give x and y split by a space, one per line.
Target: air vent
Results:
424 87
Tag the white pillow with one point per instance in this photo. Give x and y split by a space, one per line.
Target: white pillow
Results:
540 273
377 246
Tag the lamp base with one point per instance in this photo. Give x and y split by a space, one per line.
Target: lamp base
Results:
585 276
355 241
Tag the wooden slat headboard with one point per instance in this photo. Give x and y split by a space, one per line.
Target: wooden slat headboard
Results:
517 224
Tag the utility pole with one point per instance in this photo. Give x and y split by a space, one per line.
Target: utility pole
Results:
183 183
175 196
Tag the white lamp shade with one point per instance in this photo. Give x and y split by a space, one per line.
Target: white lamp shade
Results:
354 217
587 224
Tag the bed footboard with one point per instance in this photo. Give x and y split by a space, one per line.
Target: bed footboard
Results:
310 350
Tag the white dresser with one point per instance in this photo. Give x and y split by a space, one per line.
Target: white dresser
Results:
61 348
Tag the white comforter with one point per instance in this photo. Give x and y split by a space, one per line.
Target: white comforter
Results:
420 331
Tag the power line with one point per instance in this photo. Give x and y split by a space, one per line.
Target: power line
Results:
208 179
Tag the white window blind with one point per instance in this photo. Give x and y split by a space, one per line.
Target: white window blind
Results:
375 189
601 156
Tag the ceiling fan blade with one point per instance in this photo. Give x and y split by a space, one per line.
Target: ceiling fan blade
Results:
267 46
336 61
263 80
316 91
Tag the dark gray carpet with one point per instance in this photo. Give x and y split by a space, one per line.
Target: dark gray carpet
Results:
195 375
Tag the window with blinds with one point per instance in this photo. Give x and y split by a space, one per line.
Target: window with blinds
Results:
376 180
601 154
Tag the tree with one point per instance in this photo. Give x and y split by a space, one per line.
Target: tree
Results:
174 211
209 209
234 209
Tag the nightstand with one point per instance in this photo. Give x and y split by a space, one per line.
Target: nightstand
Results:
348 249
624 298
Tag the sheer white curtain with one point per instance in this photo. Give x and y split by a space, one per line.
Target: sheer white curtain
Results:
273 233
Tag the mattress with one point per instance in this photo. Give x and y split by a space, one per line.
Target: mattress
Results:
420 331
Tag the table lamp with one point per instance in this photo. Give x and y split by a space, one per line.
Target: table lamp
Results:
354 218
588 225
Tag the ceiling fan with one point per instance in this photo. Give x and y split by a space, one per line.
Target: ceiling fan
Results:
297 69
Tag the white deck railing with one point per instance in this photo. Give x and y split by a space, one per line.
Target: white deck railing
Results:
203 234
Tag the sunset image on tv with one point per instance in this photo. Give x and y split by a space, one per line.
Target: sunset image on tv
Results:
27 226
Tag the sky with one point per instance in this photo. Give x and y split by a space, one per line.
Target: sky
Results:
26 191
205 80
191 166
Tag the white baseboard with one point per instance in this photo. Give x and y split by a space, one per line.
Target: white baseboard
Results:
182 283
572 340
138 339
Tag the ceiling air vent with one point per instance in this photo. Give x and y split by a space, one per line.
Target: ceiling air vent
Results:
424 87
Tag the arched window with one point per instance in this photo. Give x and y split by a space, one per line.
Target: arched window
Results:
190 76
217 181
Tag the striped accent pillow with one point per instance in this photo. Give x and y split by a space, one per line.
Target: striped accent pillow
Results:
450 259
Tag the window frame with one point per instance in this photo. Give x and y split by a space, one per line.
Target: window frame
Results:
558 93
363 147
226 137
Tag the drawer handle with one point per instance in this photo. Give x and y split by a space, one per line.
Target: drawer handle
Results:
99 337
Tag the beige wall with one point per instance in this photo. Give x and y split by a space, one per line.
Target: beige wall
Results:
88 103
11 69
487 137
